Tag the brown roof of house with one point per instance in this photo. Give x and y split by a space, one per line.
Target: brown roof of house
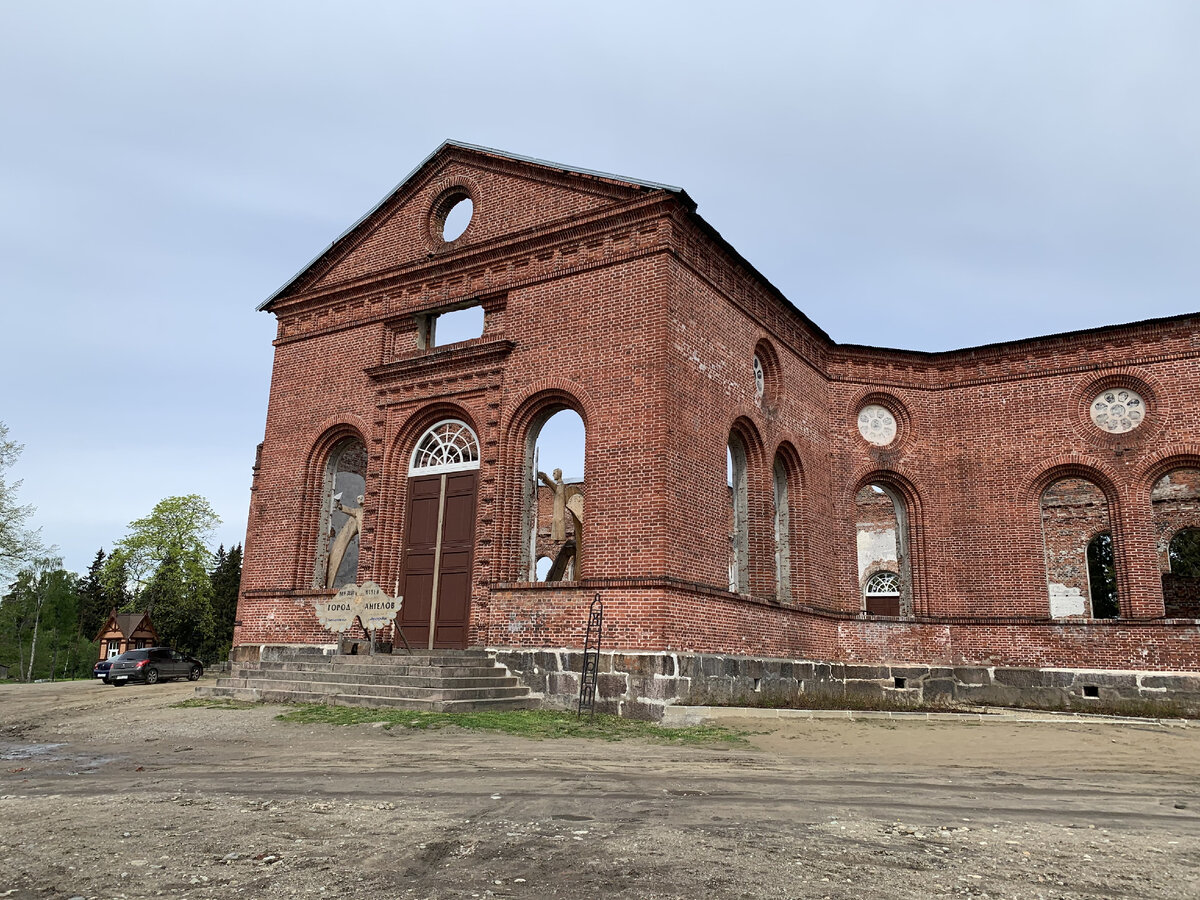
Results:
129 622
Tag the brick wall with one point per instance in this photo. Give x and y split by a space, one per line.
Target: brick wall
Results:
616 300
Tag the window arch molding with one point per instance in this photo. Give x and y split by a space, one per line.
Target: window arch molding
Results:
1164 463
1075 467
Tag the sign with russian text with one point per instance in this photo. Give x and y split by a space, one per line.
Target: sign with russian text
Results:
367 603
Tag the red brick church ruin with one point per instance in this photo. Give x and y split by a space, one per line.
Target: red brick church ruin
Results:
764 510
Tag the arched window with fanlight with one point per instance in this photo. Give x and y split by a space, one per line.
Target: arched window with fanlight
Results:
449 446
882 593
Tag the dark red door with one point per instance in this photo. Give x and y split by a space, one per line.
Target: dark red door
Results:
438 549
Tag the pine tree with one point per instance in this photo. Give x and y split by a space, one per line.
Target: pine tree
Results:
226 577
94 600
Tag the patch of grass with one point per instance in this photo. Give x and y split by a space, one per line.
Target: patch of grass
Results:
534 724
213 703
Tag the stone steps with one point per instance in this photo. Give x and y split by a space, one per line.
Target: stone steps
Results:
439 681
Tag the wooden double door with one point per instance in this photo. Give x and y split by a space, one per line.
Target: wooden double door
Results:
439 544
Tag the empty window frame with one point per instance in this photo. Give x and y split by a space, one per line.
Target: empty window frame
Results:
739 516
450 327
1077 536
783 542
1175 502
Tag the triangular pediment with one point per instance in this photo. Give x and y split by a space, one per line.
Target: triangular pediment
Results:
510 195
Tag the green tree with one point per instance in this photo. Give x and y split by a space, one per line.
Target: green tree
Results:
38 632
226 578
178 528
180 598
95 600
163 561
18 543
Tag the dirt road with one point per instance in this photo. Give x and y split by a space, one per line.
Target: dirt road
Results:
114 793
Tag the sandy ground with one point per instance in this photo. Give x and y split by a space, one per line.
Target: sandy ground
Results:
112 793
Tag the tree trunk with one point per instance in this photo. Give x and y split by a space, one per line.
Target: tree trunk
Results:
33 644
20 652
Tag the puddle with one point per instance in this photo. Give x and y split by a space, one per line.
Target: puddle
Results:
77 763
28 751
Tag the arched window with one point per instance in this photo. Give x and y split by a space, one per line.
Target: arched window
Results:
783 548
882 545
554 502
1080 568
739 516
449 446
345 484
883 584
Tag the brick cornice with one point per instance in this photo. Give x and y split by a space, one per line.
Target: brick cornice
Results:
488 254
473 355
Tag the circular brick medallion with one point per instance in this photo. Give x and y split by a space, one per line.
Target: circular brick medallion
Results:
1118 410
877 425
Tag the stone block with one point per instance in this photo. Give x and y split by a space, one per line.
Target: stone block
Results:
1189 683
1034 678
641 663
939 690
870 690
865 673
563 683
654 687
802 671
912 673
1124 683
972 675
612 685
645 712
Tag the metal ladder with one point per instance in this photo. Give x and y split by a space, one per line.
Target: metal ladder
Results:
591 658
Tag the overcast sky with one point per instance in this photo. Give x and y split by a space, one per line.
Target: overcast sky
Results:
910 174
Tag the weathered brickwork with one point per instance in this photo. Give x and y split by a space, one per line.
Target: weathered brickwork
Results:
613 298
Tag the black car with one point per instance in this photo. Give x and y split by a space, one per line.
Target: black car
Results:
151 665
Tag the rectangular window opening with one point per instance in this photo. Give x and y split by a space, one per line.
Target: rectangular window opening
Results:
452 327
757 685
900 682
1091 690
